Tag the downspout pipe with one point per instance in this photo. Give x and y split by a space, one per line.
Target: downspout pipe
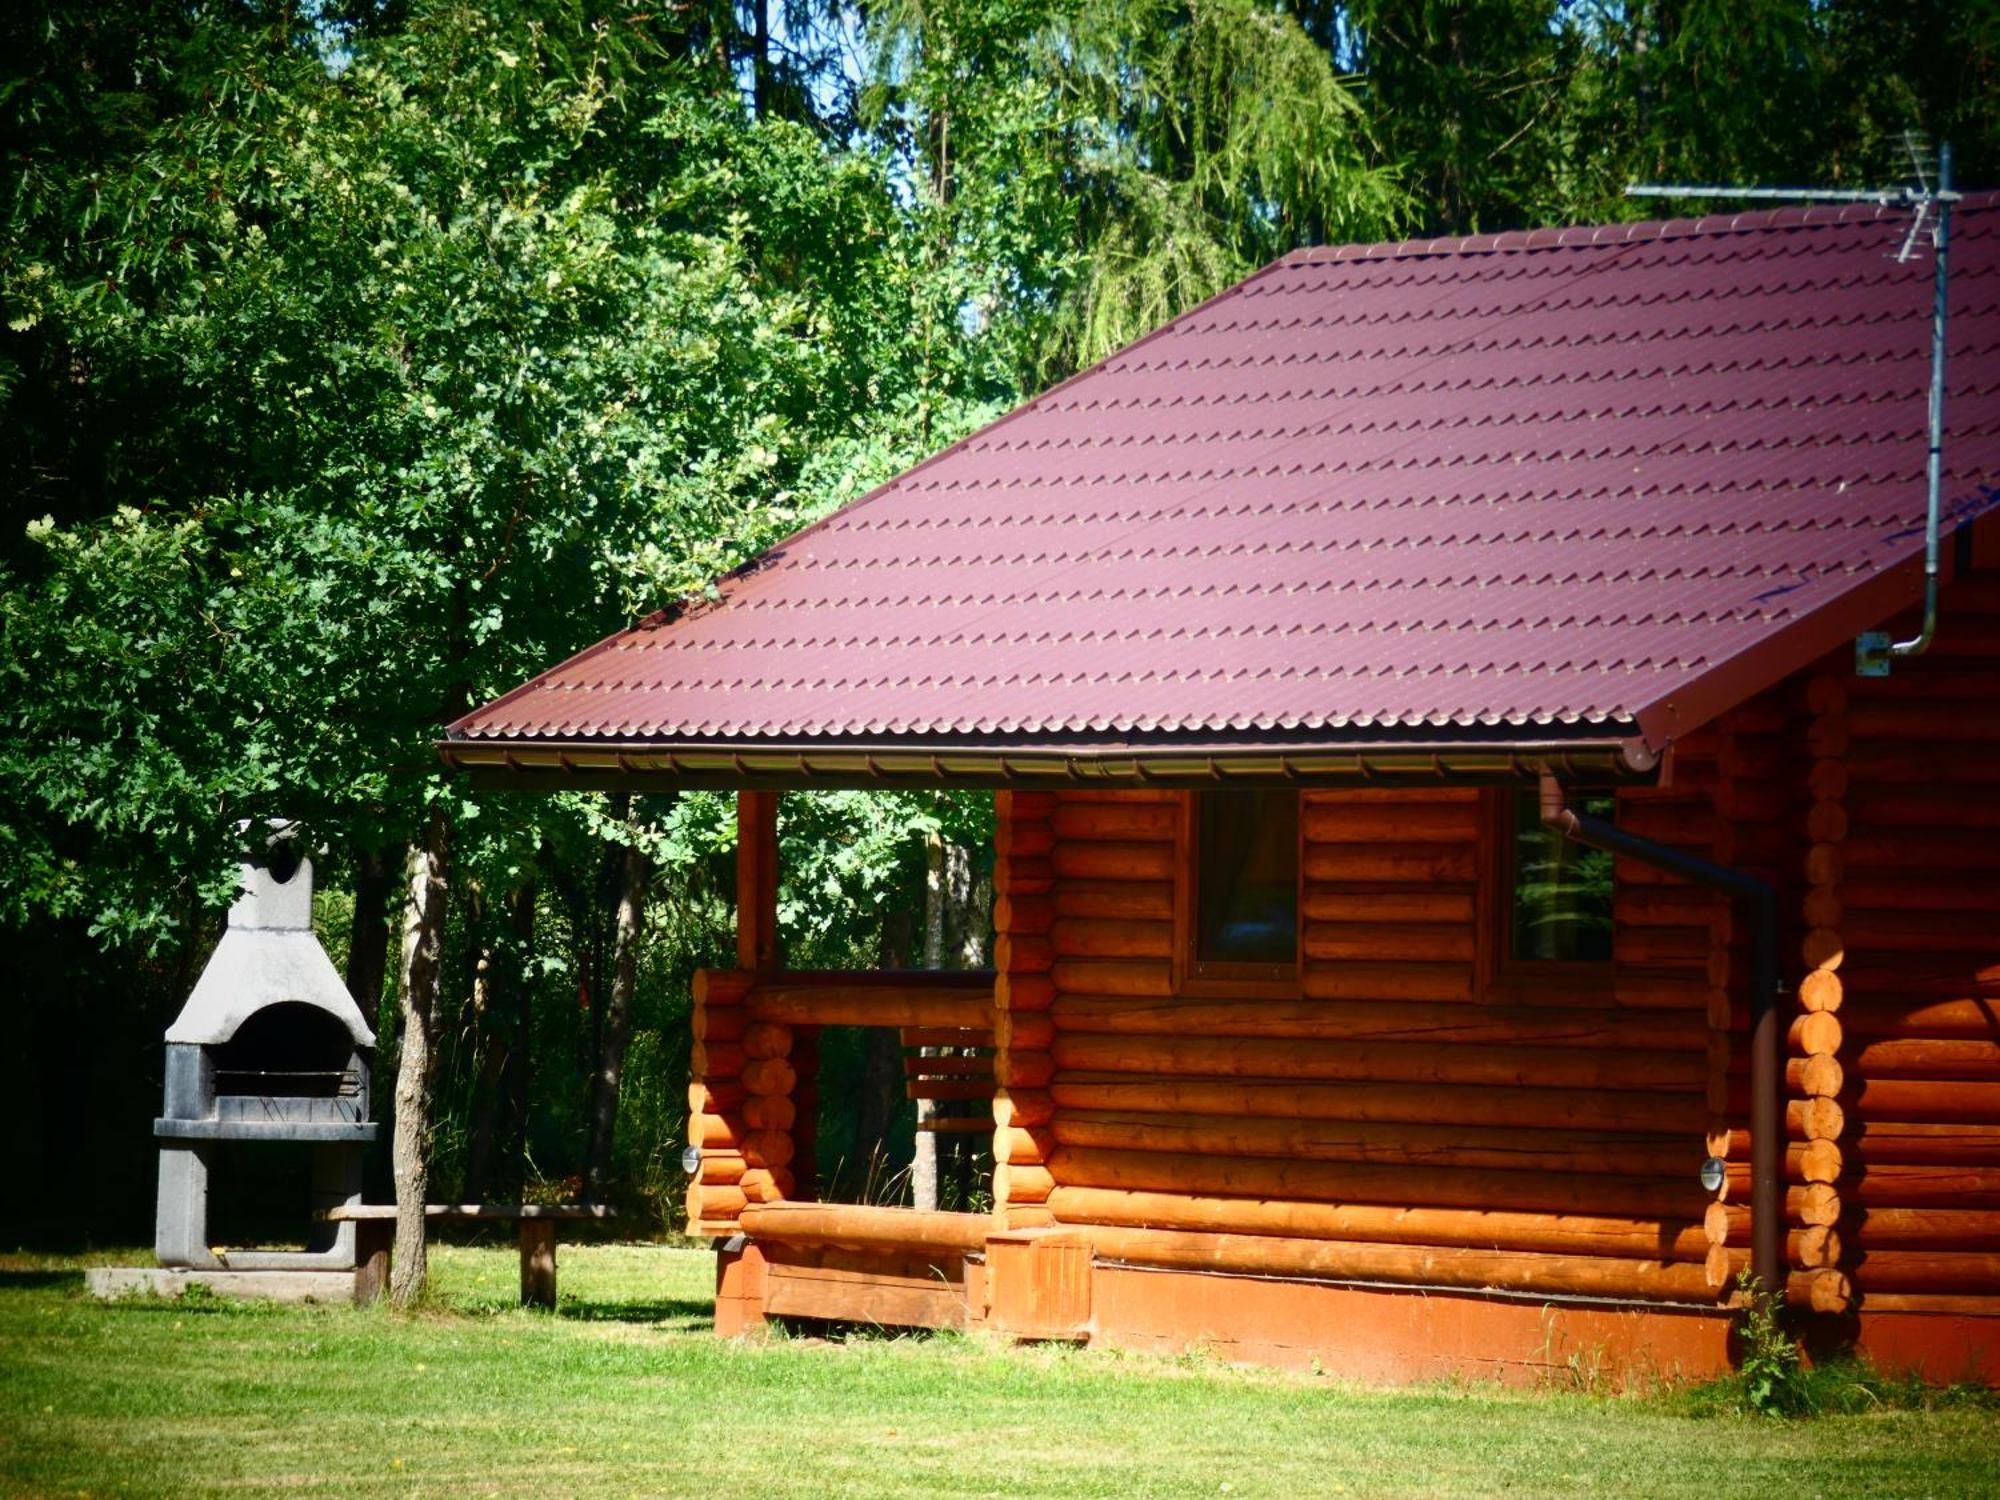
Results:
1756 898
1919 643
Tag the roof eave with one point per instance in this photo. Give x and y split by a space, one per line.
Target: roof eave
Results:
583 765
1797 645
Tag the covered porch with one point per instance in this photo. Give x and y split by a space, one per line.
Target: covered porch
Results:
1213 1134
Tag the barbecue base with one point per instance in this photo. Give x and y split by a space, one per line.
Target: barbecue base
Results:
275 1286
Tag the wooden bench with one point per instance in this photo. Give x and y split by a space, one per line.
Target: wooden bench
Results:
375 1232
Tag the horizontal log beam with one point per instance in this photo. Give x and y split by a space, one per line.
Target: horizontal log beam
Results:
949 1090
1565 1234
1921 1228
1582 1109
1954 1271
1952 1186
863 1226
1874 1143
1933 1302
919 1066
1905 1100
1381 1021
1409 1062
947 1036
1421 1265
933 999
1399 1144
1345 1182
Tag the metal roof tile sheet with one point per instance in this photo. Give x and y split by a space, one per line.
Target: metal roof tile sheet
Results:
1554 478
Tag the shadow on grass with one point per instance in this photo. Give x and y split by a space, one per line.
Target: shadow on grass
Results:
28 1281
831 1331
688 1311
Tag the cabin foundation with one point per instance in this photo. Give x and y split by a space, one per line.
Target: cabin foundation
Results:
1058 1290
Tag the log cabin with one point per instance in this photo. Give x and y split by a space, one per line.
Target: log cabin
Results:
1463 897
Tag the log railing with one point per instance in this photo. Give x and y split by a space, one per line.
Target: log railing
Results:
756 1039
833 997
862 1226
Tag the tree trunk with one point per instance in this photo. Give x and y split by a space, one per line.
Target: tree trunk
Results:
423 945
881 1059
969 910
615 1022
760 59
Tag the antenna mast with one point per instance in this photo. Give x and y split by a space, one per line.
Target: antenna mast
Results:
1876 650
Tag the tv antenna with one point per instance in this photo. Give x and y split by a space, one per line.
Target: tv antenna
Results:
1875 651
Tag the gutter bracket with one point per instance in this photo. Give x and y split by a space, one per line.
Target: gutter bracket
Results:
1872 653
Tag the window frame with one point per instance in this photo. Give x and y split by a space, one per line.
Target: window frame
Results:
1502 976
1195 976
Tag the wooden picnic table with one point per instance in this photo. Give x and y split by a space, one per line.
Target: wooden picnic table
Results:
375 1232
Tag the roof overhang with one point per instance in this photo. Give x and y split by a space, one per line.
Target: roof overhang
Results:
551 765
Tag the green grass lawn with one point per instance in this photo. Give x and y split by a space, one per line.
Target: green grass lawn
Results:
624 1392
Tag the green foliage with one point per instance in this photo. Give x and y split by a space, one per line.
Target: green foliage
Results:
1772 1378
852 868
1561 890
1128 160
1235 140
473 354
1769 1364
359 361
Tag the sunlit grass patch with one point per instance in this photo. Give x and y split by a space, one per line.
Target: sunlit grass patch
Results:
622 1391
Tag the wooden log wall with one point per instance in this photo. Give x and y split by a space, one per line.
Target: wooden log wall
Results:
1023 955
1398 1096
1779 798
1814 1031
718 1124
1914 961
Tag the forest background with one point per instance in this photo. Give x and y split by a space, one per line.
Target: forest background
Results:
361 360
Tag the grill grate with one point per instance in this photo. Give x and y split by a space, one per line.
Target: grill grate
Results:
296 1083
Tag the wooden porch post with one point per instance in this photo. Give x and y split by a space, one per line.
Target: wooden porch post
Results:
733 1098
769 1074
757 882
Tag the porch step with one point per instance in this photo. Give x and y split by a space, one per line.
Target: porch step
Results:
890 1294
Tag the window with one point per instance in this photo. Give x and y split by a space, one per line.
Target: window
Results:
1558 892
1243 917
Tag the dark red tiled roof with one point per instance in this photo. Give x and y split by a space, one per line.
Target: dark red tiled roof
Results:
1589 479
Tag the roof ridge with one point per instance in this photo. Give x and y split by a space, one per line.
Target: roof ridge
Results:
1564 237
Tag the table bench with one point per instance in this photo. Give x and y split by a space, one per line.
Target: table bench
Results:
375 1232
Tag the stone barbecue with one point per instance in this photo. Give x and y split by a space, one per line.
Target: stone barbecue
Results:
270 1047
